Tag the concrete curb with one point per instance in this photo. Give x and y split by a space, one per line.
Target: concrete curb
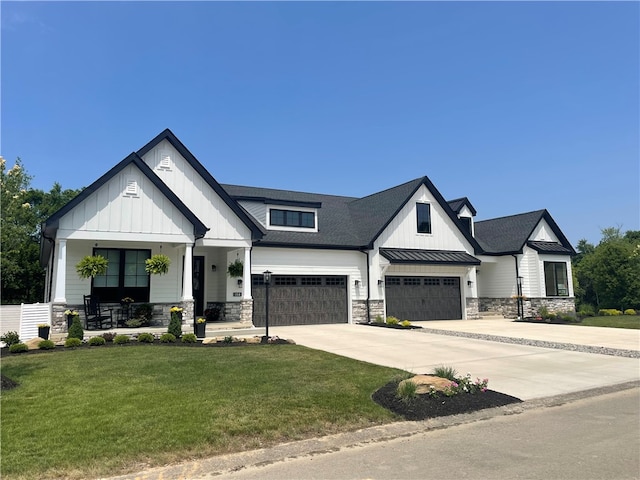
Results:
219 465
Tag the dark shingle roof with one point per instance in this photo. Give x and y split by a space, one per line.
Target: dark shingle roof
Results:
457 204
508 235
343 222
428 257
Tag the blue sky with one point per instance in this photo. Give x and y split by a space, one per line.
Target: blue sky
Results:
518 106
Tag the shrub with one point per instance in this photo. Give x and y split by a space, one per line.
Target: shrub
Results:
443 371
146 338
568 317
609 312
96 341
109 336
10 338
189 338
75 330
586 310
175 325
406 323
134 322
407 390
18 348
630 311
72 342
167 338
392 321
144 313
228 339
46 345
379 319
121 339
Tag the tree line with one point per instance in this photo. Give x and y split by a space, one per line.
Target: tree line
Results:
606 275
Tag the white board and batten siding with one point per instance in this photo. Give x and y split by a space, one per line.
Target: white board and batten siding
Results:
496 277
402 231
196 193
127 206
301 261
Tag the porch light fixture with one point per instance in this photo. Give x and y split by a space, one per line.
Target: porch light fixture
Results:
469 283
380 283
213 268
357 283
239 282
266 276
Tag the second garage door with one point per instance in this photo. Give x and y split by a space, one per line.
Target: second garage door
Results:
300 300
423 298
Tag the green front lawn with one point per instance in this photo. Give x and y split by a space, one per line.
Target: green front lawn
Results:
109 410
617 321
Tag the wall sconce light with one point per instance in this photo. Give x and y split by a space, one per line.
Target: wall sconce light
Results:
239 282
380 283
213 268
469 283
357 283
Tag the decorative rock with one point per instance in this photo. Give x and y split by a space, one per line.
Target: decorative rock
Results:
33 343
425 382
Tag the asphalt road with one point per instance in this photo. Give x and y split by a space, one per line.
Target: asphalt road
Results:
590 438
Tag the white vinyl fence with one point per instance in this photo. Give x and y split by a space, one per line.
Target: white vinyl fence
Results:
24 319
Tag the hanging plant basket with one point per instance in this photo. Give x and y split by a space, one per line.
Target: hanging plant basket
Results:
236 269
158 264
90 266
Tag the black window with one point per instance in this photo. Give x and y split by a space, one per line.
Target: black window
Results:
126 275
424 217
466 223
292 218
555 279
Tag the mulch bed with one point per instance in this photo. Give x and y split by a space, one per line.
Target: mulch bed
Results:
388 325
424 406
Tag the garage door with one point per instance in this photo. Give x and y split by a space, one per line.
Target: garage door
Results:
300 300
423 298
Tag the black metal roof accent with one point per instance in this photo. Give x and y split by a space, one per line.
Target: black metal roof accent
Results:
549 247
166 134
428 257
508 235
50 225
457 204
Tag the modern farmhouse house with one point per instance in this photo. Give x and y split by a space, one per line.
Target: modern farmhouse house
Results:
405 251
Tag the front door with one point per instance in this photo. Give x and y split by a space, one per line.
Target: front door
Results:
198 285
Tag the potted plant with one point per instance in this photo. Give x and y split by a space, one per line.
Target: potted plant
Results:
43 331
200 327
70 314
158 264
92 265
236 268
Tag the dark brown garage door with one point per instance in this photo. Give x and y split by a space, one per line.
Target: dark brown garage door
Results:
300 300
423 298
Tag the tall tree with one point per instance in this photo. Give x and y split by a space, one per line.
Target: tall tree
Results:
609 274
23 210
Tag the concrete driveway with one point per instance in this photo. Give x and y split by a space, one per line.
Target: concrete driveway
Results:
521 359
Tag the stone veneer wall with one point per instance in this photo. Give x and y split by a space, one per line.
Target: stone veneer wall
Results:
239 312
472 308
508 307
359 310
161 314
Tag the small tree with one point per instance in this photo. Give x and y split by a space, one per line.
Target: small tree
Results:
175 324
75 330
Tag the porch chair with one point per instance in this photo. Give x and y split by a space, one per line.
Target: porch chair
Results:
95 314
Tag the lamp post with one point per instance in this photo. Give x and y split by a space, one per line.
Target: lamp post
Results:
520 302
267 281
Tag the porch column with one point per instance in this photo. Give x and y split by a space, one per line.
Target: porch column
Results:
61 272
187 279
246 275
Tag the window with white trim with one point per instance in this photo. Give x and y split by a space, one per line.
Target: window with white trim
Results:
291 218
555 279
423 211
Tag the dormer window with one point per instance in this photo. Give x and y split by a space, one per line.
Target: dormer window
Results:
291 218
424 217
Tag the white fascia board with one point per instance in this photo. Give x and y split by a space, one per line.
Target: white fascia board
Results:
224 242
123 236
